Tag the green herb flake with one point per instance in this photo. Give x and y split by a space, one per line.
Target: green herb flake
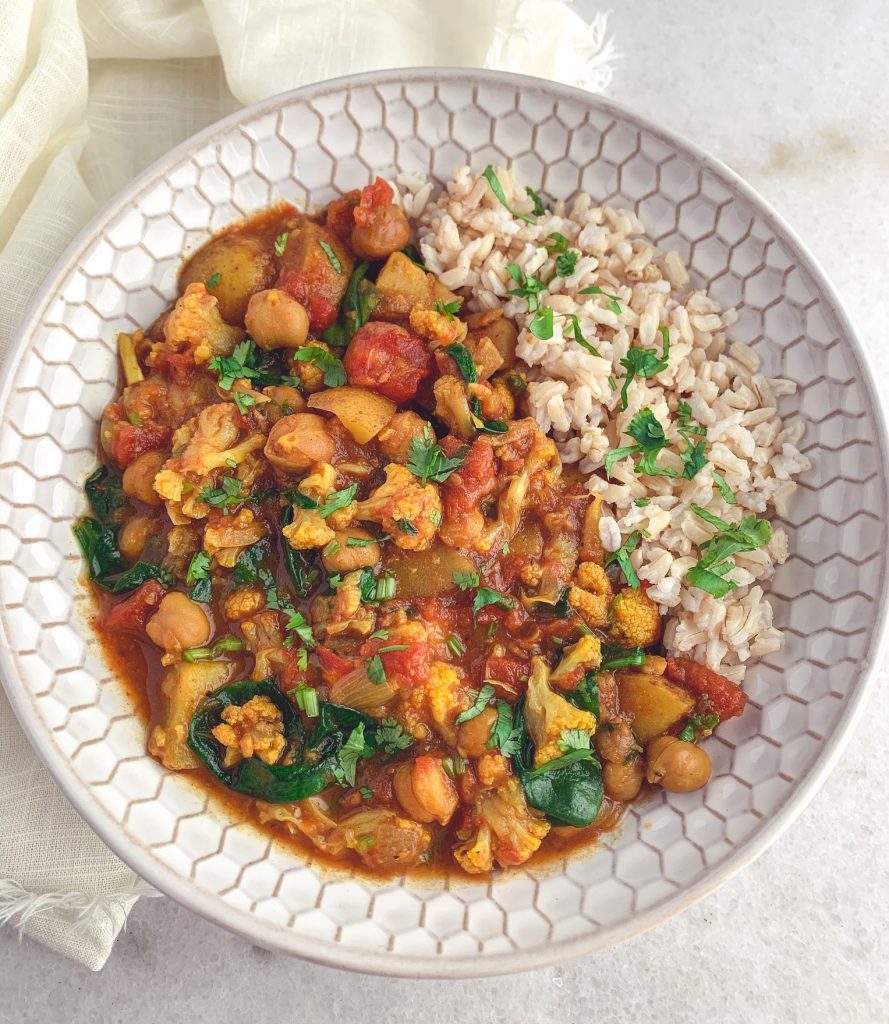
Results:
448 309
391 738
497 189
225 496
135 419
337 500
427 460
465 363
724 488
541 325
622 557
574 739
281 244
332 257
406 527
539 208
465 580
504 737
485 596
213 280
613 300
306 700
327 362
644 362
480 702
375 671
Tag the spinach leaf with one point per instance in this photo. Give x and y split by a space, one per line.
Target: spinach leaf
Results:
104 493
586 696
98 542
300 564
249 563
568 789
277 783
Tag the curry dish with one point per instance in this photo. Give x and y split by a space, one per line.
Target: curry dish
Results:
352 577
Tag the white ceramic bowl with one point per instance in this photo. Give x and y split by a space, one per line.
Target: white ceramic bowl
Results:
830 597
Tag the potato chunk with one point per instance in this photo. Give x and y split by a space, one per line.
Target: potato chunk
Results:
653 705
183 688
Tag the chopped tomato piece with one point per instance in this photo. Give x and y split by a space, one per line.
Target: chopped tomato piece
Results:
130 442
333 666
403 669
377 194
341 214
176 366
505 669
132 614
388 359
475 479
726 698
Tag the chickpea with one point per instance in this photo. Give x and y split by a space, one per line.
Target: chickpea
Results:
425 791
275 319
615 741
134 536
287 399
473 736
346 559
395 438
297 442
623 781
387 230
138 478
178 623
677 766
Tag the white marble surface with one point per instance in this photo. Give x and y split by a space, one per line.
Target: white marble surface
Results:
795 97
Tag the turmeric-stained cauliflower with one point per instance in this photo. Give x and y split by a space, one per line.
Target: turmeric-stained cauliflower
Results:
548 715
194 323
635 619
437 327
508 831
309 529
347 615
577 659
408 510
205 443
440 697
592 598
262 634
253 729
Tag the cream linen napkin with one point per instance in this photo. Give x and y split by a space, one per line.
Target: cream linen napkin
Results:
88 97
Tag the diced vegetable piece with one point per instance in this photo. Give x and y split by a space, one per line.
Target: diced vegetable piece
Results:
427 573
726 698
402 277
132 371
652 704
183 688
363 413
355 690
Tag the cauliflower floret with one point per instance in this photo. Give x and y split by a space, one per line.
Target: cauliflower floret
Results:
635 619
206 442
435 326
509 831
548 715
403 499
577 659
452 406
264 640
194 322
255 729
310 375
227 536
440 697
308 530
349 615
241 604
592 599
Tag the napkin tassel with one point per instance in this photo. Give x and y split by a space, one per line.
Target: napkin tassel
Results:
18 906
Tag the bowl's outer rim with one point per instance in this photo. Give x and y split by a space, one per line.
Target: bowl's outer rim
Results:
332 954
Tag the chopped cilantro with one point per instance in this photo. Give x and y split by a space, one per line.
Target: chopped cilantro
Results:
406 527
465 580
715 554
359 542
539 208
243 400
724 488
391 738
480 702
225 496
577 334
375 671
613 301
497 189
197 576
463 358
354 748
485 596
644 362
448 309
527 288
213 280
696 724
504 737
622 557
427 460
647 432
332 258
574 739
337 500
281 243
332 367
541 325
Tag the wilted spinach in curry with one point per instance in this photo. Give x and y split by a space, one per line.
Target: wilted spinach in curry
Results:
382 610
